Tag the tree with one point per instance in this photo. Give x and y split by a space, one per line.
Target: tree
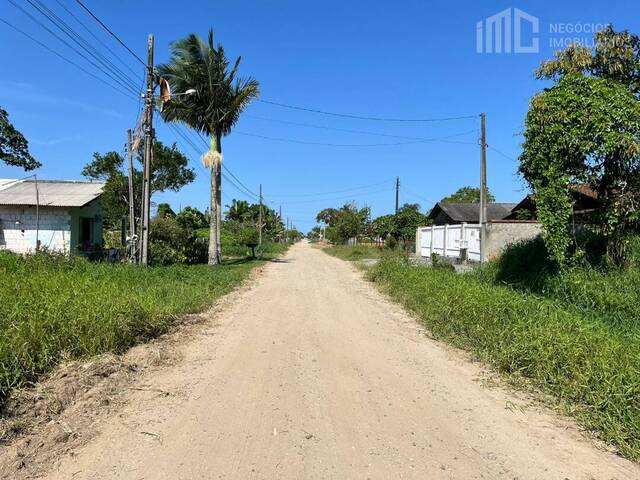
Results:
468 195
169 171
344 223
214 109
192 219
407 220
586 129
14 148
165 211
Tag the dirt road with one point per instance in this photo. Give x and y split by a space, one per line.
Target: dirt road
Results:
311 374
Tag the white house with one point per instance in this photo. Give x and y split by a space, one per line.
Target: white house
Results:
58 215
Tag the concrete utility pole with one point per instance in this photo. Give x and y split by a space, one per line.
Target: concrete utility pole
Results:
260 219
483 186
132 218
148 157
397 193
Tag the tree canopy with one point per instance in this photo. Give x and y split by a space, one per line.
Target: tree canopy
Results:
585 129
169 171
467 195
14 148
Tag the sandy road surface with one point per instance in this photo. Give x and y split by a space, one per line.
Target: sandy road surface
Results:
312 375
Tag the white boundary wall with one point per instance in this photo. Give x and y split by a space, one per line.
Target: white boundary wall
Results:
448 240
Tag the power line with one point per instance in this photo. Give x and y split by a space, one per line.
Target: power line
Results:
78 39
346 190
502 153
363 132
360 117
84 26
118 81
59 55
110 32
325 144
342 198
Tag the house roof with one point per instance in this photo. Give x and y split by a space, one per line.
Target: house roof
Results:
51 193
470 212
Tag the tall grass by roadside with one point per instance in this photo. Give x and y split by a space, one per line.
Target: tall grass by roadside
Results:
591 367
610 295
53 306
354 253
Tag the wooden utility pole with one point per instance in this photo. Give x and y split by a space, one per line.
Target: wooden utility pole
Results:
397 193
148 157
483 186
132 217
260 219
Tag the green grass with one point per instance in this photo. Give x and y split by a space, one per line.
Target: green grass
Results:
355 253
591 367
51 307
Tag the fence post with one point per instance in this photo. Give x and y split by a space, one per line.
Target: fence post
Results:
446 239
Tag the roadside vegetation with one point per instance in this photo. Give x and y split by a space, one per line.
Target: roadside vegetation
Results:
53 308
355 253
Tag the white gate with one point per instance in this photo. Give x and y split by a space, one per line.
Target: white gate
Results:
448 240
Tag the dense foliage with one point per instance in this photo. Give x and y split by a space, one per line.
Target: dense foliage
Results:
585 129
169 171
468 195
14 148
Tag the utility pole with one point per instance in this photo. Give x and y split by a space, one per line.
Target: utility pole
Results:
148 157
397 193
483 186
132 218
260 219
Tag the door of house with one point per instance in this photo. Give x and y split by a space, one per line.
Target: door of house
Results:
86 233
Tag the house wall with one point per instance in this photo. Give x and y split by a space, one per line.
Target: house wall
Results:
92 210
18 228
501 234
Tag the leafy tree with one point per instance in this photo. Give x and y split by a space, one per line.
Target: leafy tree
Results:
344 223
586 129
169 171
213 110
407 220
192 219
171 243
238 211
14 148
165 211
468 195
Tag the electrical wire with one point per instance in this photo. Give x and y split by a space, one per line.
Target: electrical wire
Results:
118 81
90 32
62 57
346 190
79 39
303 142
361 117
363 132
110 32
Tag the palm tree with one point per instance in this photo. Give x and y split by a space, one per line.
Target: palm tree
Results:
213 110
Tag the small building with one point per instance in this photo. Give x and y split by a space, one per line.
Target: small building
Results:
585 202
456 213
53 215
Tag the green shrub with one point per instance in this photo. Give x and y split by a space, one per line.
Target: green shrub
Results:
590 367
354 253
171 243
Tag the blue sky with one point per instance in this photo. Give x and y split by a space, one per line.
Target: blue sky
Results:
408 59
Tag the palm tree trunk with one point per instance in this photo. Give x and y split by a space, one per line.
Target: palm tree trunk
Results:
215 252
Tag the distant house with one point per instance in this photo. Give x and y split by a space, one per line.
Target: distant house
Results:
457 213
585 201
55 215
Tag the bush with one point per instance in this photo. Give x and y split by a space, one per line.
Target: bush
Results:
590 367
171 243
